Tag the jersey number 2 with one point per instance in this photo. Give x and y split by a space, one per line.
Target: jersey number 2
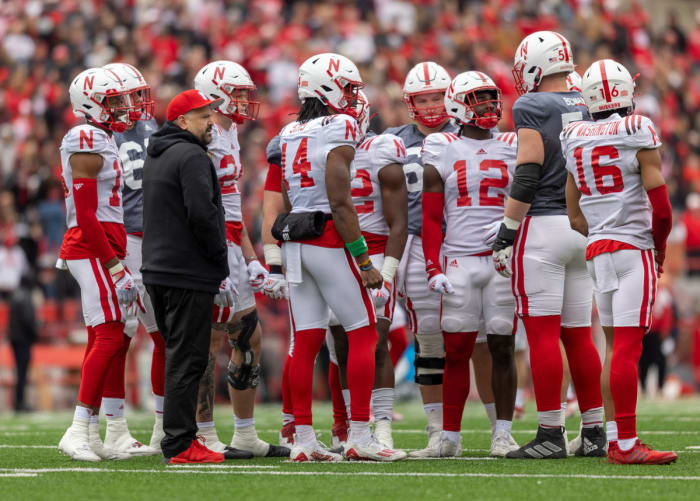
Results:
363 192
599 171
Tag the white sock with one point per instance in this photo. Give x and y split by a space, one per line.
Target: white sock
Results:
549 419
305 434
491 413
82 414
519 398
611 431
626 444
503 425
570 395
113 407
359 432
433 413
158 399
592 417
563 413
383 403
452 436
241 423
94 419
346 398
287 418
205 424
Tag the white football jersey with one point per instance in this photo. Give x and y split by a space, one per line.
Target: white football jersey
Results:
225 153
87 138
371 156
477 176
305 147
602 158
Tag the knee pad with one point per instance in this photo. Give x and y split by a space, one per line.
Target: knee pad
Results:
501 326
244 376
430 358
246 328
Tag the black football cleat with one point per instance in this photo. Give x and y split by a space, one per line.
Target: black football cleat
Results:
593 443
232 453
549 443
278 451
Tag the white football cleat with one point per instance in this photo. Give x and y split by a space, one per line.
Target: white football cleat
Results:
157 434
339 435
573 446
431 451
119 439
98 447
315 451
372 451
448 449
208 438
247 439
75 443
382 432
502 443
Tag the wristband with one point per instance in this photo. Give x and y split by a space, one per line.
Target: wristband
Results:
365 265
116 269
273 254
510 223
389 267
358 247
275 269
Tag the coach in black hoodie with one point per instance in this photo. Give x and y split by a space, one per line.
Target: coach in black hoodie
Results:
184 261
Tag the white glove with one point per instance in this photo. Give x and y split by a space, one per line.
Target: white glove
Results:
226 298
440 284
501 261
381 296
490 233
275 286
127 293
256 275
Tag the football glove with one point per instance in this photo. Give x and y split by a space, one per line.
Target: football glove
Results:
439 284
127 293
226 298
381 296
490 233
503 250
256 275
275 286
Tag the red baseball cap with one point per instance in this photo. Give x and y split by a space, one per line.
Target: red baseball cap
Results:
189 100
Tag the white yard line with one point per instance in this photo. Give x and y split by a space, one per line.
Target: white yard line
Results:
347 473
4 475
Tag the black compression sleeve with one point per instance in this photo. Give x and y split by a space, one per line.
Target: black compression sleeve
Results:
527 178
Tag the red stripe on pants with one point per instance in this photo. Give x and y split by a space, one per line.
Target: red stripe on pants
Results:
518 261
104 300
643 314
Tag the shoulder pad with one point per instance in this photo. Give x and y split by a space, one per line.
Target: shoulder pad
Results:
341 129
433 146
640 132
385 149
510 138
273 152
86 138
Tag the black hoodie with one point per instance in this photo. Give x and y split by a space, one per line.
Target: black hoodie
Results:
184 234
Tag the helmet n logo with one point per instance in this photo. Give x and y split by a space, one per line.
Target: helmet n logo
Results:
333 66
88 82
219 72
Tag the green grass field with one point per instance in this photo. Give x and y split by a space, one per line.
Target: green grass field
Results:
32 468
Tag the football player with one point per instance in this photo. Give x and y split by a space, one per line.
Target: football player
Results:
95 244
552 287
424 94
466 177
616 196
327 264
380 198
231 82
132 145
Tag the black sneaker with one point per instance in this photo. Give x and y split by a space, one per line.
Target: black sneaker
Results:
593 443
232 453
278 451
549 443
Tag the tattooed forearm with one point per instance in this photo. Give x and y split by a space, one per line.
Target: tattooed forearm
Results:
205 400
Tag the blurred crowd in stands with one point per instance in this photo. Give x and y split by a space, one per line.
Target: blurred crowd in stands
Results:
44 43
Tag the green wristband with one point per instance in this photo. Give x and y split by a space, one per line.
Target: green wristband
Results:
358 247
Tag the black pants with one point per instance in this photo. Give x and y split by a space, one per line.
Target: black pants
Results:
652 355
184 320
22 351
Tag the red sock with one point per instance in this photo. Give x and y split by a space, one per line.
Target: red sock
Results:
307 343
88 347
114 382
545 360
362 343
627 348
585 366
455 381
399 343
108 342
287 405
158 364
340 415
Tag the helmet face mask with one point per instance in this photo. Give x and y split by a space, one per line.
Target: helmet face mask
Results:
231 82
474 99
333 79
363 113
424 91
486 106
139 90
99 95
239 104
427 108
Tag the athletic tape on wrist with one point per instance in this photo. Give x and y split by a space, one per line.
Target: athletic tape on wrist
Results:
389 267
273 254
